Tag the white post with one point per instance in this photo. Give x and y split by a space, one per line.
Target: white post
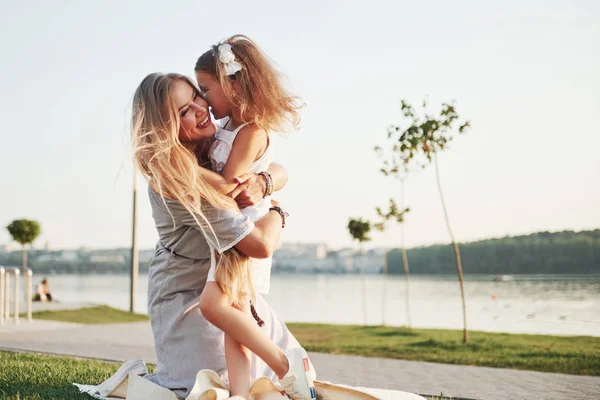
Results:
29 290
7 295
2 295
16 297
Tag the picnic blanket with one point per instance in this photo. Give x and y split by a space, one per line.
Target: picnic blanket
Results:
128 383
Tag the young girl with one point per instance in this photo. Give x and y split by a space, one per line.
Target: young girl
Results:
243 89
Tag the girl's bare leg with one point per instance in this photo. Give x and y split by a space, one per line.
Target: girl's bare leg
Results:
238 363
216 308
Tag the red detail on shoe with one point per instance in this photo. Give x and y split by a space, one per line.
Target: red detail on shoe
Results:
306 365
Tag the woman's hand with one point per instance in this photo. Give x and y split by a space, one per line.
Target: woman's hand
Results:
250 190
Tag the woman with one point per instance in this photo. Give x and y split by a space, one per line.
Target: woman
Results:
42 291
171 126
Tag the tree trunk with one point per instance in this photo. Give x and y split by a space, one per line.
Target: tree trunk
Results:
407 299
384 291
24 252
456 251
404 259
364 285
23 272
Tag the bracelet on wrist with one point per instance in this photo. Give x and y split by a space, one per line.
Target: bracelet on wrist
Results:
269 183
282 213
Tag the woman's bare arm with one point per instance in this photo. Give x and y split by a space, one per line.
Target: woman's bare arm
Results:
263 240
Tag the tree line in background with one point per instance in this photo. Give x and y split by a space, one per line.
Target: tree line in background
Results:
565 252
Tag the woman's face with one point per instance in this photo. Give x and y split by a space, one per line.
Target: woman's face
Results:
193 113
211 89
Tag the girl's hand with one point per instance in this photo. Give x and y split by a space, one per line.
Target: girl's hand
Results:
250 190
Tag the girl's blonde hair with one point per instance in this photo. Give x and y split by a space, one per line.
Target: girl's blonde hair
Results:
260 96
172 171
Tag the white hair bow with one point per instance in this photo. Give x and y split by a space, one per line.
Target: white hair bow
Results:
227 57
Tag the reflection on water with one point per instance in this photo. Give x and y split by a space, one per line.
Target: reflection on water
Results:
552 304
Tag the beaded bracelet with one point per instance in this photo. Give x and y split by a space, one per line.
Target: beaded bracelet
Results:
282 213
269 181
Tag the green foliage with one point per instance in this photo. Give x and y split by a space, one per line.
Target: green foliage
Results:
539 253
421 137
24 231
359 229
414 146
394 214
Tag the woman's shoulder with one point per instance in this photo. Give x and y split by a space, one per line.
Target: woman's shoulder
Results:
160 200
176 209
153 192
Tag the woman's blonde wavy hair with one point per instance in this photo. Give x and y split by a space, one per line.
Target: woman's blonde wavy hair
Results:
172 171
260 97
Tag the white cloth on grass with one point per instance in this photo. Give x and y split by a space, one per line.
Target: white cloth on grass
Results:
208 384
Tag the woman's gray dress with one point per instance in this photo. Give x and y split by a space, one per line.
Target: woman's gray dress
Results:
184 341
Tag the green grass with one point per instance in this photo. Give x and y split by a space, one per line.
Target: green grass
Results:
570 355
35 377
90 315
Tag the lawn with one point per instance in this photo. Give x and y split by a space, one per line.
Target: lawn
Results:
35 377
565 354
90 315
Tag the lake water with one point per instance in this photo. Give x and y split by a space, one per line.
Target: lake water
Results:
567 305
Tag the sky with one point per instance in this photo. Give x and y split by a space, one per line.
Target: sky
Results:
525 73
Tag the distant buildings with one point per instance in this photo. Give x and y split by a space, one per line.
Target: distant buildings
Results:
61 255
106 258
314 257
299 257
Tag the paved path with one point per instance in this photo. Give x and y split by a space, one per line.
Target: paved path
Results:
120 342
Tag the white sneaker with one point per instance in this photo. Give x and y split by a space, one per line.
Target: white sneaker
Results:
298 382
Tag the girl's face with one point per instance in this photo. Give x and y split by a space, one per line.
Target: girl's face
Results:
195 122
213 93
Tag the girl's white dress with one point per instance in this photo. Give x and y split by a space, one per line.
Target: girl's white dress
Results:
219 154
